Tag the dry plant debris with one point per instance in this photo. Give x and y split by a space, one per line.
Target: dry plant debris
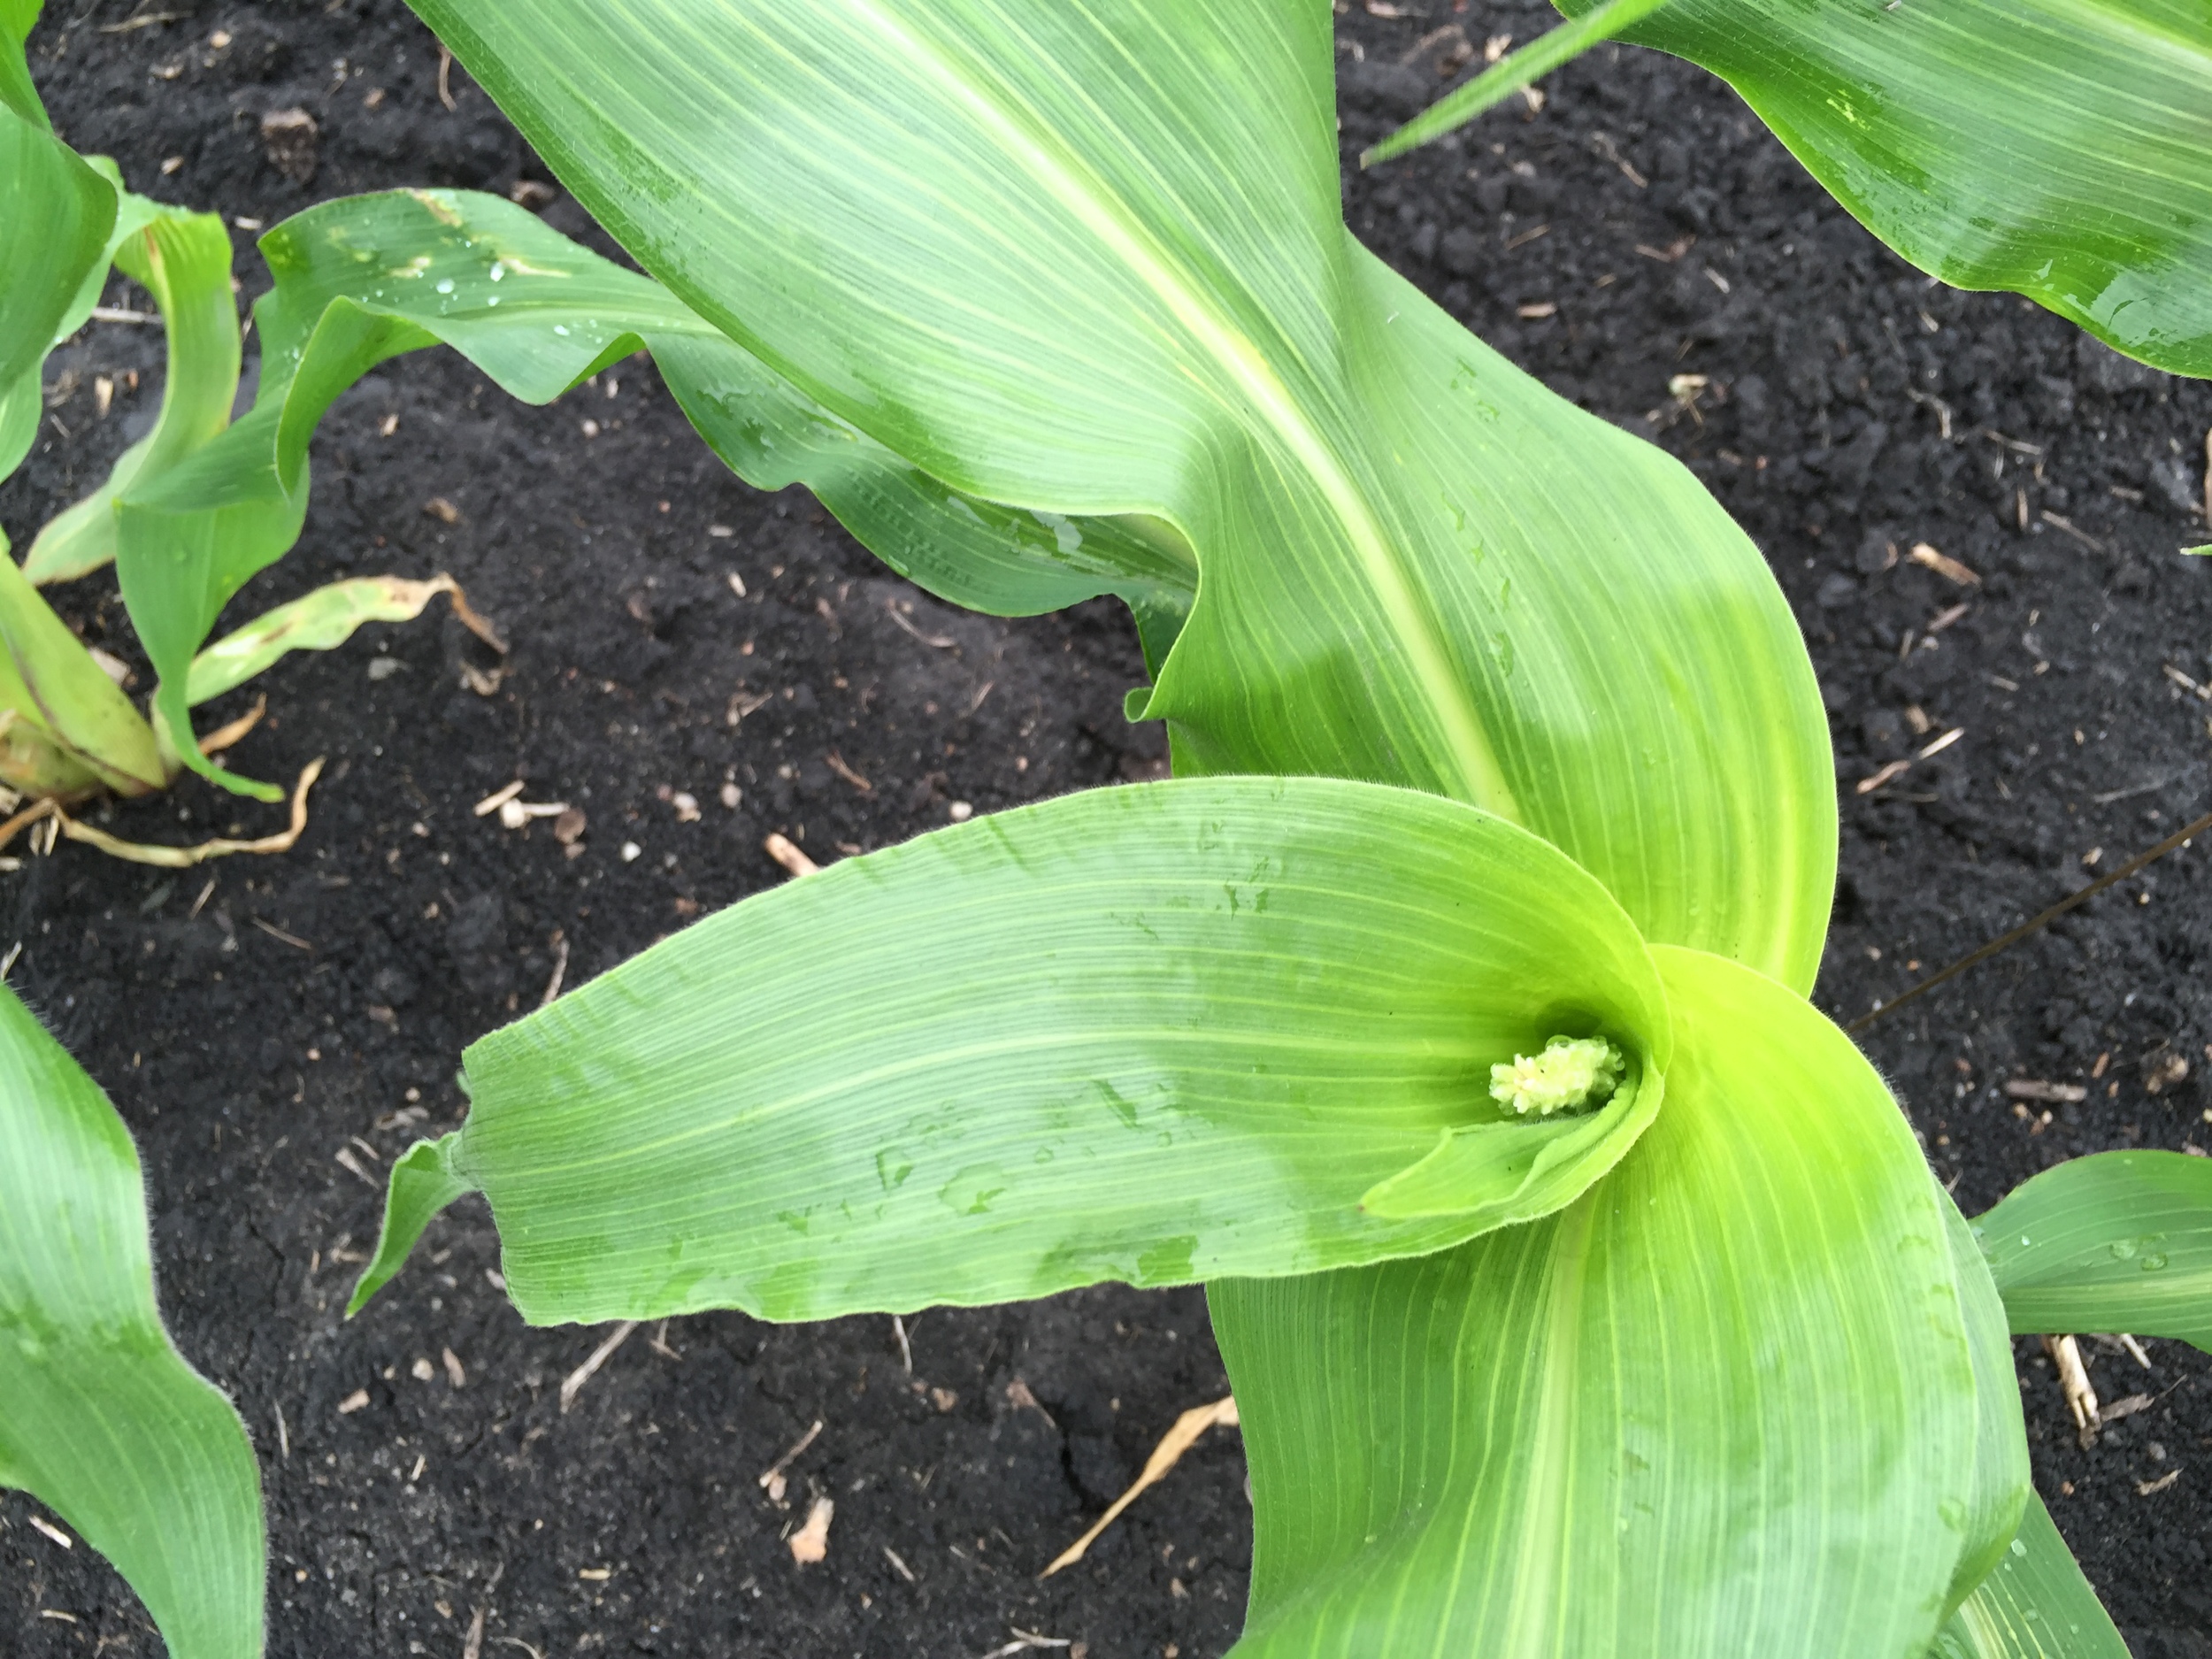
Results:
1165 1455
583 1373
811 1543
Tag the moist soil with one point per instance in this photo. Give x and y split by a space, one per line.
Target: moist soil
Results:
276 1030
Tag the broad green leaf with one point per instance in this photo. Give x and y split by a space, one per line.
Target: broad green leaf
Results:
1091 260
363 278
66 729
1722 1404
2034 1605
104 1423
1147 1034
2062 149
2113 1241
66 208
183 260
321 620
18 96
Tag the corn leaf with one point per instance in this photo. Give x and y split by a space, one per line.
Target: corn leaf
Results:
320 620
104 1423
1696 1412
2113 1241
2002 1476
183 260
66 729
60 212
363 278
2034 1605
1091 260
2062 149
1148 1035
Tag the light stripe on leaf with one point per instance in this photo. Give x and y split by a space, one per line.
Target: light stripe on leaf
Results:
1723 1404
104 1421
1149 1034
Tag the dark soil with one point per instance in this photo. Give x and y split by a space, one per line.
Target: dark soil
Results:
317 1002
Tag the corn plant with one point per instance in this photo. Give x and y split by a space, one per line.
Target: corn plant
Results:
1583 1290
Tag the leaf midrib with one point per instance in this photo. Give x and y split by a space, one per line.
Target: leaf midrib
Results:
1480 779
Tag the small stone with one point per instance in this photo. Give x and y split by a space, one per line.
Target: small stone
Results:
1460 251
568 826
731 795
630 851
422 1371
960 811
288 137
687 805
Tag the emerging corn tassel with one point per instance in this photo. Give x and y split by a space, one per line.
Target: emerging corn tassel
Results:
1571 1074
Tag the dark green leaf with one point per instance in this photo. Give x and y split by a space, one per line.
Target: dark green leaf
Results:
2034 1605
2062 149
2114 1241
1147 1034
103 1422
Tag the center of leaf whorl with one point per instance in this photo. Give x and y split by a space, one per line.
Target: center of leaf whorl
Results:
1571 1074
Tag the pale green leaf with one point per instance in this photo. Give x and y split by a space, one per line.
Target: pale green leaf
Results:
2113 1241
362 279
1149 1034
183 260
320 620
104 1423
2062 149
2034 1605
1091 260
1720 1404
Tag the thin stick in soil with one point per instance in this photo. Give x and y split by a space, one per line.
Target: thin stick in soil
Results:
2187 832
771 1480
583 1373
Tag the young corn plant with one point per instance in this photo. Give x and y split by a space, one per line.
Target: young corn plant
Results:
1582 1288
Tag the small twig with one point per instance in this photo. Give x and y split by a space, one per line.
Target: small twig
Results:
1165 1455
771 1475
117 314
936 642
560 968
906 1351
276 932
185 857
2135 1348
658 1343
2187 832
472 1645
2073 1381
584 1372
783 852
835 762
445 72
